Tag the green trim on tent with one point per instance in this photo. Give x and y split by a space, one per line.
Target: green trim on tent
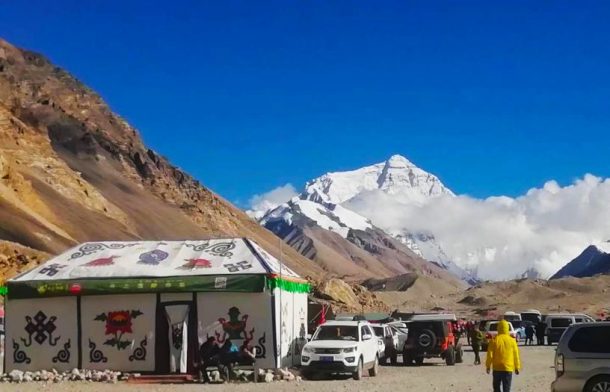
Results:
288 285
58 288
3 290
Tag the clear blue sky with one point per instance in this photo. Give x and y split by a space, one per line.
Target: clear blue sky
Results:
494 97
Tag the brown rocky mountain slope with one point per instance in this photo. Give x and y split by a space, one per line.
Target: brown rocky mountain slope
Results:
73 171
589 295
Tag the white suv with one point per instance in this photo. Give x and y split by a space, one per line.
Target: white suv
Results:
341 347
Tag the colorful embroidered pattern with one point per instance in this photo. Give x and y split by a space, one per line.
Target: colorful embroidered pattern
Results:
103 261
196 263
154 257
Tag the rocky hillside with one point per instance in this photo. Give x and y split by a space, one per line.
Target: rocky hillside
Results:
491 299
345 243
71 171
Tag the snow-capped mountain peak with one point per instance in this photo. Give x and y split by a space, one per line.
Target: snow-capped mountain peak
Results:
396 176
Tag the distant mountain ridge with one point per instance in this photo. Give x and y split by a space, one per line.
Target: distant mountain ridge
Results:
595 259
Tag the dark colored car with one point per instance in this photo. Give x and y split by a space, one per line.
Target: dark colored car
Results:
432 339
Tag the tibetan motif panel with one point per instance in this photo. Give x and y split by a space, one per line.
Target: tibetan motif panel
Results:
119 332
41 334
244 319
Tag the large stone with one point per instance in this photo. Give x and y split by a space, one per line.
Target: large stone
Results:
16 375
339 291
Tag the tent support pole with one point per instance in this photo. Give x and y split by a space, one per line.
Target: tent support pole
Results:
79 332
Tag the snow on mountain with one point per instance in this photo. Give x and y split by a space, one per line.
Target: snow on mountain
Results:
427 247
397 177
332 217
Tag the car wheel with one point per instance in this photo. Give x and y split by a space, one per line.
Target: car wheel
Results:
384 360
459 354
450 356
358 373
374 371
407 359
419 361
598 384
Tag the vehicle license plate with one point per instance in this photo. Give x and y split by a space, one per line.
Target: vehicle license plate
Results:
327 359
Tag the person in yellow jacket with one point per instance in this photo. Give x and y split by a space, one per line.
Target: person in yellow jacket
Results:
503 358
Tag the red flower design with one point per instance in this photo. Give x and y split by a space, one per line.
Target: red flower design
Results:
119 321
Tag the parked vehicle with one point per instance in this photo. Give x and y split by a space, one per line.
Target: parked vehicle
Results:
341 347
390 343
491 331
532 315
582 359
432 336
512 316
556 324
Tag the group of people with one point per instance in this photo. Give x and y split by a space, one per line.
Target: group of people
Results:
223 357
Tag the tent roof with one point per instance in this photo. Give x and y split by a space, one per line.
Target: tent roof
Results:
159 259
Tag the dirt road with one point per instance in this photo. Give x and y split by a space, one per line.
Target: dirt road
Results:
433 376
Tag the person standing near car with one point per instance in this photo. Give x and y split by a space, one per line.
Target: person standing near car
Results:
476 339
503 358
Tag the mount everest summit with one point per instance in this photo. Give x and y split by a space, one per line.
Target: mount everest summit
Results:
325 217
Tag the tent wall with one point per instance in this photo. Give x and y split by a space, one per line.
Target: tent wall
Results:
118 332
41 334
291 319
240 317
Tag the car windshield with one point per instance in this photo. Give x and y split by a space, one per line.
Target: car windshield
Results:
378 331
516 324
337 332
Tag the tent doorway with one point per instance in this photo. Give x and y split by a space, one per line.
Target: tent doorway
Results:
177 344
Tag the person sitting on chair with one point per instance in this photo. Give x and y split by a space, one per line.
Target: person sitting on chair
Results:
208 356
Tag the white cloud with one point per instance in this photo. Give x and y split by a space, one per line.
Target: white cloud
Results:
259 204
503 236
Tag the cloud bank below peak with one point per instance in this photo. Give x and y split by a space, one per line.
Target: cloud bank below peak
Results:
501 237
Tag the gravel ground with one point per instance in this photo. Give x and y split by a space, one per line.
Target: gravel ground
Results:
536 376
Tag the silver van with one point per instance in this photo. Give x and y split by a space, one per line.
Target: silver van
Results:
556 324
582 360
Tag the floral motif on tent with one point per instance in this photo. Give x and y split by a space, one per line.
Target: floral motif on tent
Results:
101 262
41 328
118 323
19 356
51 269
196 264
154 257
139 353
239 266
221 249
91 248
95 355
63 355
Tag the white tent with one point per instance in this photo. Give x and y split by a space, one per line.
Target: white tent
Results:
146 306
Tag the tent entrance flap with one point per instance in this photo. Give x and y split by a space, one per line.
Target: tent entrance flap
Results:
177 319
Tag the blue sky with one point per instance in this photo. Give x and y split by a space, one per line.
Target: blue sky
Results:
493 97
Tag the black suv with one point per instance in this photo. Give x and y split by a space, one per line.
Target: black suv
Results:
431 339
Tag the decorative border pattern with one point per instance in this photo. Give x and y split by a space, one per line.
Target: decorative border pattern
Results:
96 355
139 354
20 356
63 355
91 248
